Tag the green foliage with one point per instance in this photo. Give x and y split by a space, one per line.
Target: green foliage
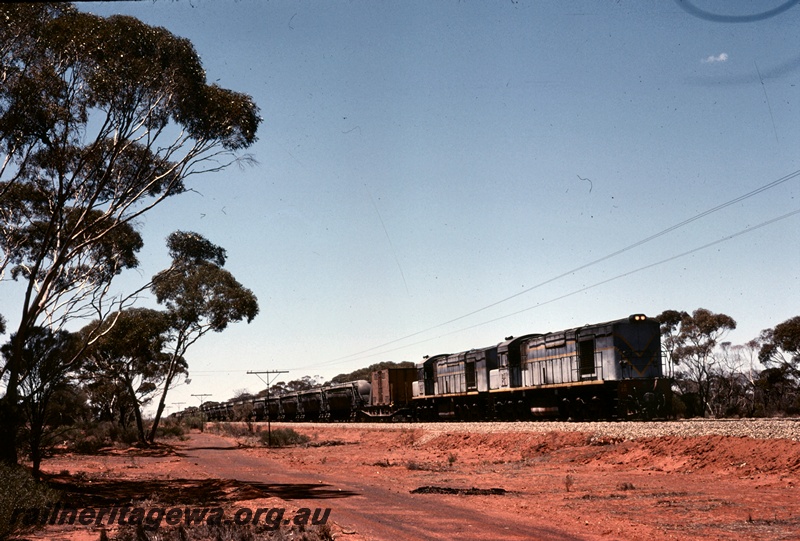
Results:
670 321
243 411
192 422
303 384
128 361
691 342
234 430
123 65
699 334
781 345
108 401
84 444
724 379
364 373
20 490
42 357
200 296
47 430
198 293
125 435
777 392
171 429
283 437
89 112
89 438
191 248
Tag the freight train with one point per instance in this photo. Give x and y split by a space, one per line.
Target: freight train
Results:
605 371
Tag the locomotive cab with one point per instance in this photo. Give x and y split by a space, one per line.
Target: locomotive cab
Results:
426 384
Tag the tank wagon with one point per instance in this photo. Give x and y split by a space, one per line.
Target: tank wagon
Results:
610 370
344 401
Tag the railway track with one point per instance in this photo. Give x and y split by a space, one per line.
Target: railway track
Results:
752 428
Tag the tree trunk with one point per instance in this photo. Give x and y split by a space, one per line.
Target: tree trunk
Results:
9 424
10 415
151 438
180 348
137 411
162 401
36 451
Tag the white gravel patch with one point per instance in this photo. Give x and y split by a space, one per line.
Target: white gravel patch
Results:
751 428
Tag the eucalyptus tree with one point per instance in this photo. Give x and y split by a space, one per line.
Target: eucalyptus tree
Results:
779 383
695 348
200 296
45 375
108 401
780 346
670 321
101 119
130 356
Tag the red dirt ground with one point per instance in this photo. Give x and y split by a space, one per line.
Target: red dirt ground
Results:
557 485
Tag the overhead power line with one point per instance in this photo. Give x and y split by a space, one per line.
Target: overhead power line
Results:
571 293
765 187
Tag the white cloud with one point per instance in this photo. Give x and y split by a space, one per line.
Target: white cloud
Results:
721 57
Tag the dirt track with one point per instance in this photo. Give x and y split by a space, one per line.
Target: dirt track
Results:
364 504
557 485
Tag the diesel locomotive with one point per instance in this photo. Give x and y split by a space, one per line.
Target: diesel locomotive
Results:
604 371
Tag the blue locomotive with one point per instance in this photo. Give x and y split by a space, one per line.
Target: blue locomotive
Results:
610 371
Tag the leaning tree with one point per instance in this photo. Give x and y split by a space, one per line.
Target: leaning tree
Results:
101 119
200 297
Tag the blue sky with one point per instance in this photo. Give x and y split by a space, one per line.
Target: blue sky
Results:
420 161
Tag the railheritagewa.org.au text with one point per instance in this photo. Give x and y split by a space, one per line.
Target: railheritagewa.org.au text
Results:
153 518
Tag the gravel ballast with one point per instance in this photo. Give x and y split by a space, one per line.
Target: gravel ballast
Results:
751 428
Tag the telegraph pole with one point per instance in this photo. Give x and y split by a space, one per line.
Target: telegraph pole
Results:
177 404
202 415
266 404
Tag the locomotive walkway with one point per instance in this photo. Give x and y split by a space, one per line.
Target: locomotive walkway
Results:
362 505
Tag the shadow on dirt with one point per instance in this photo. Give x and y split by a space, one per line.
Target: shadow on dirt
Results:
213 448
460 491
107 492
297 491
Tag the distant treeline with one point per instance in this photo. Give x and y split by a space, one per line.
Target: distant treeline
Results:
364 373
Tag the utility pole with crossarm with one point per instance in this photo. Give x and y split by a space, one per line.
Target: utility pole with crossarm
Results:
202 415
266 404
